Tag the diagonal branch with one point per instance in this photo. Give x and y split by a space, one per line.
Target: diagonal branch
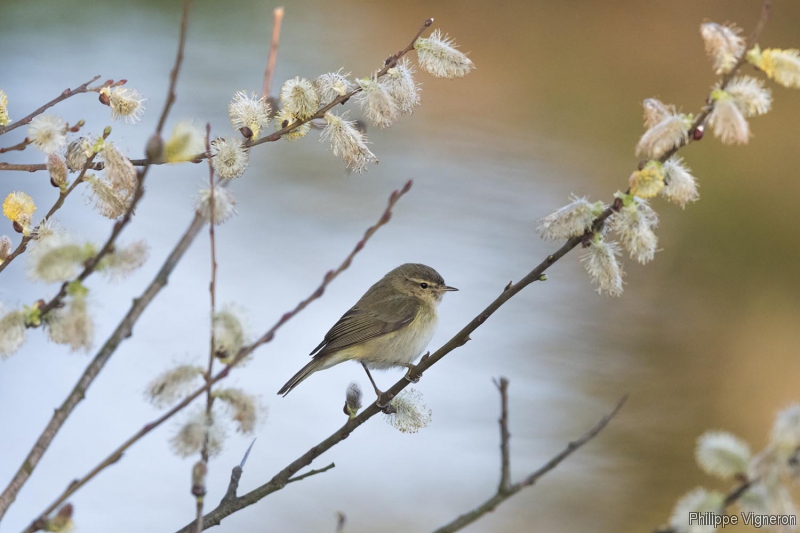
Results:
67 93
502 495
277 16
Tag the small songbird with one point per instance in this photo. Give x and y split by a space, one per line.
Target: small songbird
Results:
388 327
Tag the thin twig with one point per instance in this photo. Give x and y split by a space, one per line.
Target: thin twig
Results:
222 374
492 503
67 93
310 473
505 437
277 19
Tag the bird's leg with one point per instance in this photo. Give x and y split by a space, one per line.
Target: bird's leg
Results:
374 386
412 368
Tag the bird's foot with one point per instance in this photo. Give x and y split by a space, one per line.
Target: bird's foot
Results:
413 376
384 402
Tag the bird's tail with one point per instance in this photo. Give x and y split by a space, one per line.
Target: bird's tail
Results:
304 372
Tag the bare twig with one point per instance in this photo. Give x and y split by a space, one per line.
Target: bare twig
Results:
311 473
505 437
502 495
67 93
117 453
277 19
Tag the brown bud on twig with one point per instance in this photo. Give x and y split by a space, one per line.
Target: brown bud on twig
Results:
246 132
17 227
104 99
154 148
698 132
199 471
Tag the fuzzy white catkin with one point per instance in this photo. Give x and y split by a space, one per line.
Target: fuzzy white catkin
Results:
680 186
230 331
569 221
724 44
439 57
376 103
71 325
750 95
400 84
12 331
299 97
55 258
728 121
698 500
332 85
48 133
721 454
411 414
242 407
224 204
229 157
634 224
348 142
249 111
786 430
671 132
173 384
192 434
600 262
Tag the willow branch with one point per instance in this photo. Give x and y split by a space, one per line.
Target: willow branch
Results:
277 19
311 473
505 437
267 337
502 495
66 93
390 62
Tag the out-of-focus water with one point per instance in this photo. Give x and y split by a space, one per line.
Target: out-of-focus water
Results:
703 338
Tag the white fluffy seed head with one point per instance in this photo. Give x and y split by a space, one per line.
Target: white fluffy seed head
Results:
411 414
724 45
438 56
600 262
5 248
728 120
299 97
71 325
12 331
108 201
191 436
634 225
120 263
230 331
57 169
78 151
229 157
120 172
400 84
783 66
331 86
671 132
698 500
723 455
750 95
655 111
172 385
126 104
680 186
224 204
48 133
347 142
242 407
376 103
249 111
571 220
56 258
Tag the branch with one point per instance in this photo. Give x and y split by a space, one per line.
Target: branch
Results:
122 332
390 62
67 93
311 473
502 495
277 16
505 437
117 454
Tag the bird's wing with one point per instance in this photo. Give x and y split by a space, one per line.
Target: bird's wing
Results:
360 325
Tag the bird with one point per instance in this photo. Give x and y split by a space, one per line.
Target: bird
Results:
388 327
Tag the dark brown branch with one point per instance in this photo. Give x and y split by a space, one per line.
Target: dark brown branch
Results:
277 19
505 437
122 332
502 495
67 93
117 454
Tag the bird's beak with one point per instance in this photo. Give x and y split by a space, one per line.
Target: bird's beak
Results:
446 288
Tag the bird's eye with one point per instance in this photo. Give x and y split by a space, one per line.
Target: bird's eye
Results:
423 285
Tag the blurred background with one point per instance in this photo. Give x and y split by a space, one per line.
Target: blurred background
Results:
703 338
